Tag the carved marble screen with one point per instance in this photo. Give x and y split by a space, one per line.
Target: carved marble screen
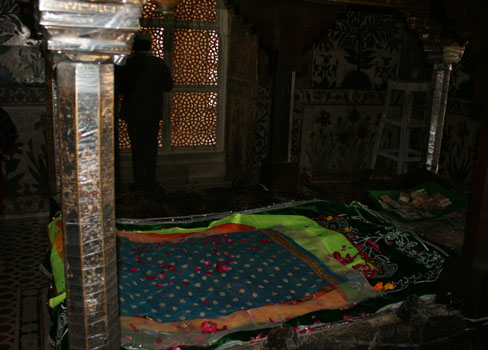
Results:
190 43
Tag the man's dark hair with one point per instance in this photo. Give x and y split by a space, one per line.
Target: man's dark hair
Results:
142 43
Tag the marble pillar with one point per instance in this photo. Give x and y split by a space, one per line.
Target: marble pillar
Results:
86 38
442 57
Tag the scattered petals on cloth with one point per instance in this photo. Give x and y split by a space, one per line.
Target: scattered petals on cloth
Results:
190 332
197 280
401 259
211 327
351 286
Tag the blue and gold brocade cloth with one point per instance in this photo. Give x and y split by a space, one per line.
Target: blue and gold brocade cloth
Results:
208 277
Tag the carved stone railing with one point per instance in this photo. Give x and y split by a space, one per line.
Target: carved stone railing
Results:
85 38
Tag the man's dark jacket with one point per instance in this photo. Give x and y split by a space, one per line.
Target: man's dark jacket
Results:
144 79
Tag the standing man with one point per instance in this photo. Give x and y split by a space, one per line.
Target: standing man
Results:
143 81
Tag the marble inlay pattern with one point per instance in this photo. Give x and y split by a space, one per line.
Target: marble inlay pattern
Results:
23 248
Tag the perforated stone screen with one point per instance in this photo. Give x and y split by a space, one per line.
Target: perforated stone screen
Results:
149 11
194 119
157 39
123 137
194 61
197 11
195 57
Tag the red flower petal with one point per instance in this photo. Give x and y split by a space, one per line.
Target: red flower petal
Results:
221 268
208 327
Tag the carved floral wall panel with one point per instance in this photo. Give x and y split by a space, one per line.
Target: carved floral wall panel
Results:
25 176
361 51
22 96
20 56
338 128
335 120
261 131
241 102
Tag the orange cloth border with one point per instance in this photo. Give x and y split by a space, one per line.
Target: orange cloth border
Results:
259 316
